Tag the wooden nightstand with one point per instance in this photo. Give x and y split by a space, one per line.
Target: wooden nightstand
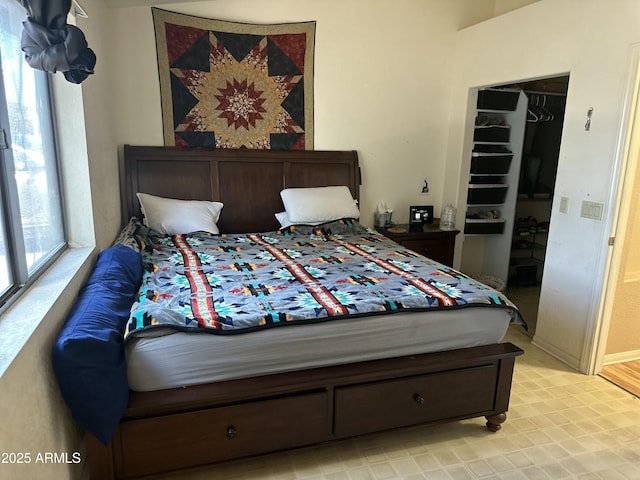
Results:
429 240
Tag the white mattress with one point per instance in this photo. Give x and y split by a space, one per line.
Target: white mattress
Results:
176 359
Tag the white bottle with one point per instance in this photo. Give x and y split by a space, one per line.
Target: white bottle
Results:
448 217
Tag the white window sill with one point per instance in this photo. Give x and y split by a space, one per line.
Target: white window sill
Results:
49 298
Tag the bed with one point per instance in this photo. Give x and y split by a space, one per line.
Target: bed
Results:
263 404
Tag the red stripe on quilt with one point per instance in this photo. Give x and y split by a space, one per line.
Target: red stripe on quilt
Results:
320 293
201 293
419 283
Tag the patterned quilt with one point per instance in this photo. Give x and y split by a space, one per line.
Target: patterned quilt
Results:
227 284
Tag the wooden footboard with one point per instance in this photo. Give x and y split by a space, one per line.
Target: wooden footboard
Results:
176 429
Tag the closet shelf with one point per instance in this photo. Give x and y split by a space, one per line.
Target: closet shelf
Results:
492 133
486 193
498 99
490 154
484 220
483 226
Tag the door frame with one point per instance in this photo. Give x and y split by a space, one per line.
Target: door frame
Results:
622 183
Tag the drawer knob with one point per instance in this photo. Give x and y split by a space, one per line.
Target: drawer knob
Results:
419 399
231 432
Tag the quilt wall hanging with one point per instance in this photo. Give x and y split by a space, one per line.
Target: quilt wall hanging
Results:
235 85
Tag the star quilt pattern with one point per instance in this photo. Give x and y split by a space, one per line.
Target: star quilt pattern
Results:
235 85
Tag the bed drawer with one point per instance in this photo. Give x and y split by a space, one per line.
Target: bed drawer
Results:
413 400
206 436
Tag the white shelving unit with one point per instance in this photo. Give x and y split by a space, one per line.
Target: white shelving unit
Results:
494 175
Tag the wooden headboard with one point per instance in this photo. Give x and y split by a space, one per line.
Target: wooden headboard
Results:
248 182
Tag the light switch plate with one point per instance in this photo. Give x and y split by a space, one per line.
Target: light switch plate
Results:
564 204
591 210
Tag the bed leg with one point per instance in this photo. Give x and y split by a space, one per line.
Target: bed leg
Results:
100 459
494 422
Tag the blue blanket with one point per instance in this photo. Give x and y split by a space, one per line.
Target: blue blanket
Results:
229 284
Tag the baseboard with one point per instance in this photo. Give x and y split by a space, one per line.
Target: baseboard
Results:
611 358
558 354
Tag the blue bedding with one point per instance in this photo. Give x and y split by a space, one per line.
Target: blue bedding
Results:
88 356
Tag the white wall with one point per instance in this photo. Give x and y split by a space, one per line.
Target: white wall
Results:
590 40
505 6
34 418
381 84
99 94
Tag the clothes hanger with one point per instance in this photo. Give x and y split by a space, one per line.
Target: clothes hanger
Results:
532 115
549 116
79 11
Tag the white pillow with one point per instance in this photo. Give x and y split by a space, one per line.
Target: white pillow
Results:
319 204
283 218
171 217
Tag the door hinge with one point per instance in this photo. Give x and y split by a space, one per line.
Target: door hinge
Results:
3 140
611 241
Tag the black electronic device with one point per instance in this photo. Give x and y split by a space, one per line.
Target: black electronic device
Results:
420 214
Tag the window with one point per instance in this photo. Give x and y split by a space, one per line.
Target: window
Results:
31 222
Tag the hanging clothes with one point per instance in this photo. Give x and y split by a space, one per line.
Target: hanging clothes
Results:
52 45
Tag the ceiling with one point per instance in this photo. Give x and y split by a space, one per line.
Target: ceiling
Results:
501 6
137 3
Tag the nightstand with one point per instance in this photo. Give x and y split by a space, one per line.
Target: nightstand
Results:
427 240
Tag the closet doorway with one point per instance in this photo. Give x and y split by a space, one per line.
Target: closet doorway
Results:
539 164
505 237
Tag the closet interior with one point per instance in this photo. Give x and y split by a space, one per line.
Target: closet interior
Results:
514 252
540 153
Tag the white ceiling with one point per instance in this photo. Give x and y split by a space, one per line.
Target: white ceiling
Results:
137 3
501 6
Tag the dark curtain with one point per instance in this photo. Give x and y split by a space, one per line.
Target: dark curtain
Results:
52 45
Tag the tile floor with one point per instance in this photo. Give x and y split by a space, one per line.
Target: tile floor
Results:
561 425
